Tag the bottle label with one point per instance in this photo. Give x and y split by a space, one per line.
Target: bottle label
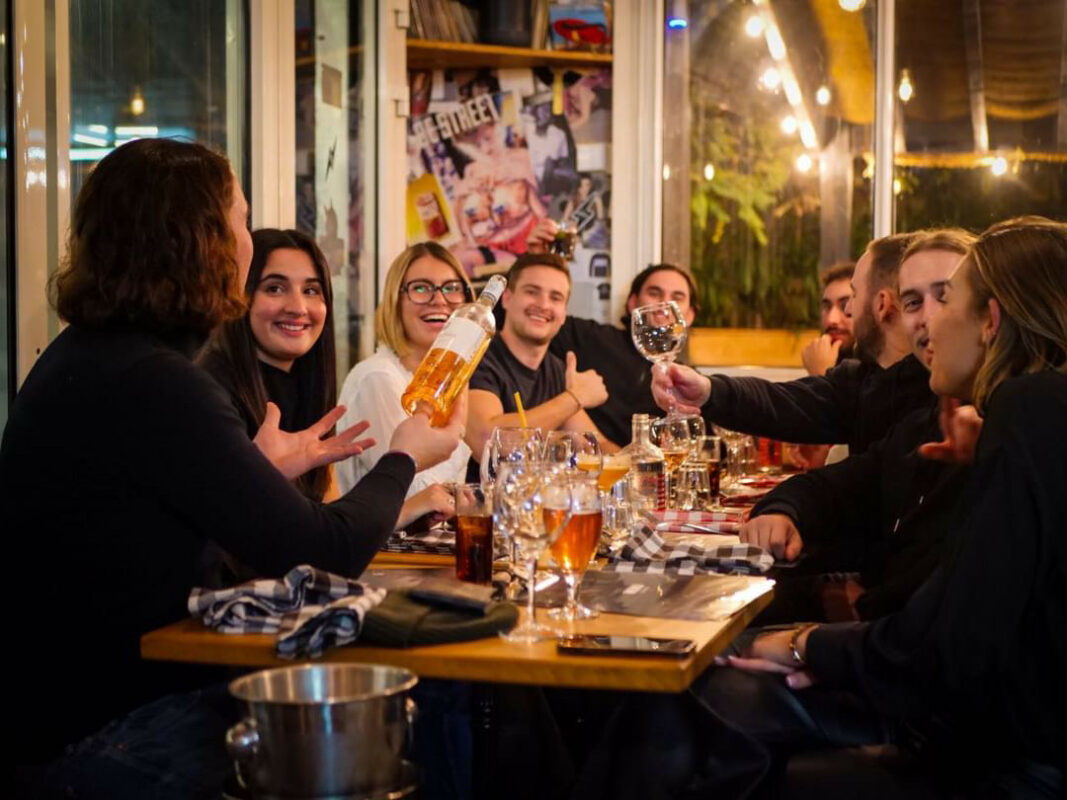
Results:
649 482
461 336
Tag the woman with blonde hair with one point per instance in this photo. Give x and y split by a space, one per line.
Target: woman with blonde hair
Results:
964 687
424 285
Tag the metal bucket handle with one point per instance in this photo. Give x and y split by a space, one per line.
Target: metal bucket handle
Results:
242 743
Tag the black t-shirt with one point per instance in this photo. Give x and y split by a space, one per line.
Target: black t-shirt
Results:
502 374
626 373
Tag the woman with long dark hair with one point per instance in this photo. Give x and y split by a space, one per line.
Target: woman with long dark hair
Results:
122 460
282 350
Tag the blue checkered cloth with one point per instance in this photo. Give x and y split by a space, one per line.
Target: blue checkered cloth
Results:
311 610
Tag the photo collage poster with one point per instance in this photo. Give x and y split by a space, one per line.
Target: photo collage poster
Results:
492 152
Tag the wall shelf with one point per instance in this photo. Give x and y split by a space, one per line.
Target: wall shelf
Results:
424 54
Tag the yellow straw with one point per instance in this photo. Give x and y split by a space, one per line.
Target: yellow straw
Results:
522 413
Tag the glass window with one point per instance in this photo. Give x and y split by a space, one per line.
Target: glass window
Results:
330 176
765 173
981 130
169 68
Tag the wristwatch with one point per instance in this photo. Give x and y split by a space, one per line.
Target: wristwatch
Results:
794 652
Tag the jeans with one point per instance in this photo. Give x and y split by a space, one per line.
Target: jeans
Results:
173 747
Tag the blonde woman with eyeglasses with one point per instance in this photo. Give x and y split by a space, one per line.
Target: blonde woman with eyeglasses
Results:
424 285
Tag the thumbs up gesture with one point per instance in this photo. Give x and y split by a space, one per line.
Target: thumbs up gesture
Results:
587 386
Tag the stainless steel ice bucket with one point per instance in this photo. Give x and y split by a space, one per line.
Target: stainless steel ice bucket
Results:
322 730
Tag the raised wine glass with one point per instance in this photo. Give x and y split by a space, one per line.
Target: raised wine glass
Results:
574 451
533 504
659 332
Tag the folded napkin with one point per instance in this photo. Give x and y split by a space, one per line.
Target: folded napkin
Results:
646 551
313 610
715 521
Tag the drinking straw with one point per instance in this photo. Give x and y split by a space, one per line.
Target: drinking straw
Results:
522 413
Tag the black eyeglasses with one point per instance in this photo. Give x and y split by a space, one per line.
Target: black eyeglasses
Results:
421 292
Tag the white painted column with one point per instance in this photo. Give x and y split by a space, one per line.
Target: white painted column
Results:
884 117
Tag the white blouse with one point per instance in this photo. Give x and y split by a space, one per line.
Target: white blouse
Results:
372 392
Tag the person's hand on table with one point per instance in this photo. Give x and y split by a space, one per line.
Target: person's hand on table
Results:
587 386
293 454
770 652
427 445
820 354
961 427
542 235
435 500
775 533
675 386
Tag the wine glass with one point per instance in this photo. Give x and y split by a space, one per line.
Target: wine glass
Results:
507 444
574 548
533 504
659 332
674 436
574 451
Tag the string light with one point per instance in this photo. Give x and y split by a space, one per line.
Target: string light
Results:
666 172
771 78
905 91
137 102
852 5
804 163
897 186
709 172
822 96
754 26
999 166
789 125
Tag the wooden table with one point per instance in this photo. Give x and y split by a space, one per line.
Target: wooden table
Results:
492 660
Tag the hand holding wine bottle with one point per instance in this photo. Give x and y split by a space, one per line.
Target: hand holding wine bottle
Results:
429 445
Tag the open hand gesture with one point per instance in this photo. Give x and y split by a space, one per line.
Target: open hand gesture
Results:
296 453
961 426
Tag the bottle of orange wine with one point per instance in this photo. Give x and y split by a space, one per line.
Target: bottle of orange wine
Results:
452 357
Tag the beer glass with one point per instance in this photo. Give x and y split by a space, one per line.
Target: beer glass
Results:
576 545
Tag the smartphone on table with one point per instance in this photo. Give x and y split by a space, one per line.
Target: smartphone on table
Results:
604 644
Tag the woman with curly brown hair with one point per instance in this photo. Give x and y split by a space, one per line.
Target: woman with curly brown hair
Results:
122 460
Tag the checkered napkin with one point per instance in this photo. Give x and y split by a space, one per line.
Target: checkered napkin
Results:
436 541
312 610
718 521
646 551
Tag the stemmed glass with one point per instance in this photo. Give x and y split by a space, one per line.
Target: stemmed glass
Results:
659 332
533 504
508 445
574 548
573 451
675 436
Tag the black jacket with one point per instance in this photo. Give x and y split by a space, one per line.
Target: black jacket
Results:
120 461
887 504
854 403
983 643
626 373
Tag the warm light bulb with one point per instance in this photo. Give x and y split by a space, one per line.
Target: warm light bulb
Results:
897 186
789 125
852 5
709 172
666 172
771 78
137 102
999 166
822 96
804 163
905 91
754 26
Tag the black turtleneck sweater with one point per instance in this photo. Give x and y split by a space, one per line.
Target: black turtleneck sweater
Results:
121 460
